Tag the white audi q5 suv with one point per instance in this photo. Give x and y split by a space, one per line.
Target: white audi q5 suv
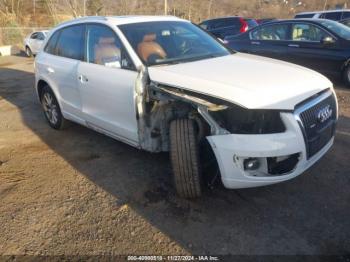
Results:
163 84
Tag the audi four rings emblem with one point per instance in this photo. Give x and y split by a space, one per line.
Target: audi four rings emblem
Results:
324 114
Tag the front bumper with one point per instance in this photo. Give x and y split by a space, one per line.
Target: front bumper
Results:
231 151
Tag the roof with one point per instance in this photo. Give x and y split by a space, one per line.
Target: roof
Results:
312 20
119 20
221 17
322 12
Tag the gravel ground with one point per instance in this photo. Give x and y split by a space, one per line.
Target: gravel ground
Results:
76 192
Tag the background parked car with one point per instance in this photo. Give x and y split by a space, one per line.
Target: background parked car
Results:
228 26
264 20
320 44
335 15
34 41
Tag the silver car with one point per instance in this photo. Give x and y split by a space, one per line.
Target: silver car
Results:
34 41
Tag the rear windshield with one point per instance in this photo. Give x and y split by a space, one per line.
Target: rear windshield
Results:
224 22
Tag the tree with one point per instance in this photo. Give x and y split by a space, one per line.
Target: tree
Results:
94 7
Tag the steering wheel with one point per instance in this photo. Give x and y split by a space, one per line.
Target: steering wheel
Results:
187 46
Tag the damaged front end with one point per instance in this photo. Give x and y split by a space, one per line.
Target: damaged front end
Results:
252 147
158 104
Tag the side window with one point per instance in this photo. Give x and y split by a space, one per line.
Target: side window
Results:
51 44
41 36
71 42
307 32
219 23
34 36
271 32
105 48
345 15
333 16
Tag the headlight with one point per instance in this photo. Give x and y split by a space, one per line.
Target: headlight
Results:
239 120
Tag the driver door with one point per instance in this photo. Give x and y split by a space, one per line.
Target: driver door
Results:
306 48
107 85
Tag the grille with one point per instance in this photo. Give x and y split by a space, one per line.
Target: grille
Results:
317 131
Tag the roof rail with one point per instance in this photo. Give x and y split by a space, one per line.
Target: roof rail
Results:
85 18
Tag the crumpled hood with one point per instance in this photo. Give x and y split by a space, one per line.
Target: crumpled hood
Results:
250 81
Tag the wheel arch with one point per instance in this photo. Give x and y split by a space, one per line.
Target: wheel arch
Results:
41 83
345 64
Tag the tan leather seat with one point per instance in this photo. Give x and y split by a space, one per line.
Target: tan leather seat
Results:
149 47
106 51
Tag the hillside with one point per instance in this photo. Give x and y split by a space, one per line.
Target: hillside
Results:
47 13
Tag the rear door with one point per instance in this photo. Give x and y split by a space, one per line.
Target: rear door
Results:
63 53
270 40
306 48
107 85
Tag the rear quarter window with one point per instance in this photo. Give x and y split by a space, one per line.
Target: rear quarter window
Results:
51 44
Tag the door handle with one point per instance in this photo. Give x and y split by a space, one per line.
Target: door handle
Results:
83 79
50 70
255 43
293 45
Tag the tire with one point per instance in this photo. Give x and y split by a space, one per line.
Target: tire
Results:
29 52
184 156
346 75
52 110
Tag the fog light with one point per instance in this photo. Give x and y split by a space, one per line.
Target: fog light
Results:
251 164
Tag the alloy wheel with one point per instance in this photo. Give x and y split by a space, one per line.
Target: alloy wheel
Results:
50 108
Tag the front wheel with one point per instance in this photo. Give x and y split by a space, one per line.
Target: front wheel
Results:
184 155
52 109
29 52
346 75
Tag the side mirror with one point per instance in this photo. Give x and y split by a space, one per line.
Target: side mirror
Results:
327 40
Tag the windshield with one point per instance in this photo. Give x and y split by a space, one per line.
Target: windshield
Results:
170 42
340 29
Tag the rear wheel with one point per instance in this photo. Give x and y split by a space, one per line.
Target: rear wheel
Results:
29 52
52 109
184 155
